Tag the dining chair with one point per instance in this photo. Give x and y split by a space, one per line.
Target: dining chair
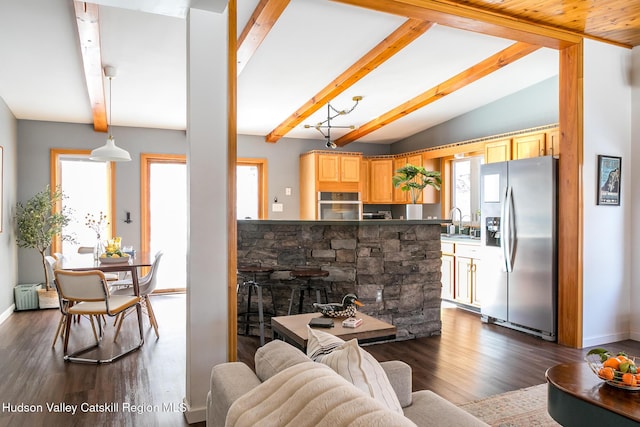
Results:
87 293
146 286
89 250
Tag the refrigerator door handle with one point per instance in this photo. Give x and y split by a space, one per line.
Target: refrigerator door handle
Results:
503 230
508 232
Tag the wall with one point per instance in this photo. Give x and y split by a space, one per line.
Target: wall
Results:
607 242
634 193
531 107
8 248
284 166
36 139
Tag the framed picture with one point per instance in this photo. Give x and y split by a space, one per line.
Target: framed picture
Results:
609 175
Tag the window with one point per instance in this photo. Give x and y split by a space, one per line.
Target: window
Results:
466 188
87 188
251 188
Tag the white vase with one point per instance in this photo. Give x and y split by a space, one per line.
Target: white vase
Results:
414 211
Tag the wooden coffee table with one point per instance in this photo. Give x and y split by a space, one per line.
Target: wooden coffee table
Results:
577 397
293 329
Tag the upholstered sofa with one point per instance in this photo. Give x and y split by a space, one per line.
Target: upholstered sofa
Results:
289 388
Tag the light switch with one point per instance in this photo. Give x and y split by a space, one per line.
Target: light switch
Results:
287 191
277 207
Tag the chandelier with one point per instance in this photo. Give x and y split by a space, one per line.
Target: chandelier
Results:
332 113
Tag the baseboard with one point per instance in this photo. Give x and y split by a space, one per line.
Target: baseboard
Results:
194 415
605 339
8 312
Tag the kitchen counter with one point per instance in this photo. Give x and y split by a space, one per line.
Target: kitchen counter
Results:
392 265
460 238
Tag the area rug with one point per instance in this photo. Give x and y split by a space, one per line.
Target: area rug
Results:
520 408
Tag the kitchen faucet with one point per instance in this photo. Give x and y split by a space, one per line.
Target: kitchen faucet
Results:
452 217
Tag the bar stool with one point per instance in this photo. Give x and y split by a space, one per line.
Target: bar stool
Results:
308 275
253 271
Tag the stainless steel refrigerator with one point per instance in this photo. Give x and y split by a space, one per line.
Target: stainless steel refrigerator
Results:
518 278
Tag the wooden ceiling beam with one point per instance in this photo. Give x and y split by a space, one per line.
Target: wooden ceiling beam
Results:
394 43
465 17
87 20
495 62
262 20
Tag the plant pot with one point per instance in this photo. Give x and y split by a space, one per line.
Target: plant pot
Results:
48 299
414 211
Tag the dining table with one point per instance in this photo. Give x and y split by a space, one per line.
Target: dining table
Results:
86 262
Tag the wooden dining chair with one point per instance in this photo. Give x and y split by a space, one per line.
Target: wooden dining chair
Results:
87 293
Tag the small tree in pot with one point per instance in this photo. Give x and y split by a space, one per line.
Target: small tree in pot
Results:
415 179
38 222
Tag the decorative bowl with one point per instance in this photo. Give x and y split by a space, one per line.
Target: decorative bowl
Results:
595 363
110 260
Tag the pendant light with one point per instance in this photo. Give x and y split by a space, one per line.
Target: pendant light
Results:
109 152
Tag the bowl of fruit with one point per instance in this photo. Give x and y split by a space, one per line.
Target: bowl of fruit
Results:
616 369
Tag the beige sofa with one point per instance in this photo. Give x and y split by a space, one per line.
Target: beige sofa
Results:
288 388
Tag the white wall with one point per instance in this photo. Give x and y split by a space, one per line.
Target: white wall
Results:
8 181
634 194
607 241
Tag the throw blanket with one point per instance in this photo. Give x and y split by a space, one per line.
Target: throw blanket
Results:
310 394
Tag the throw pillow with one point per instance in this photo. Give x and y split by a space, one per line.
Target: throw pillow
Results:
276 356
355 365
320 343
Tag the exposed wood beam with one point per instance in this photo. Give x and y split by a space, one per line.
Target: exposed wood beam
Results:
469 18
89 34
261 22
394 43
468 76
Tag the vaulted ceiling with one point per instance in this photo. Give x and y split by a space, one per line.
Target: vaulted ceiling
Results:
416 63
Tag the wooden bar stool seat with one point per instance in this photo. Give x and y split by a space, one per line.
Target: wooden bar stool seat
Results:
309 281
251 272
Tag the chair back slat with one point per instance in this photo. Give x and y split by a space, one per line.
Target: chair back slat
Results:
82 285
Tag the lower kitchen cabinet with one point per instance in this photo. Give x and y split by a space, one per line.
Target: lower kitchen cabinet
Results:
460 263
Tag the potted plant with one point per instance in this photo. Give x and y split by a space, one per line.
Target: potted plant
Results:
414 179
38 222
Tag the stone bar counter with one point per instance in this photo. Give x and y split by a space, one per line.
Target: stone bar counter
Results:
399 259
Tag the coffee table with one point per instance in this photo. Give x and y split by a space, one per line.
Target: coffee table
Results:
577 397
293 329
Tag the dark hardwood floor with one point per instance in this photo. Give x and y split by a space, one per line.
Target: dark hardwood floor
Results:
470 360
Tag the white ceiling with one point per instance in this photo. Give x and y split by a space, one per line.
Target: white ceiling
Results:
41 76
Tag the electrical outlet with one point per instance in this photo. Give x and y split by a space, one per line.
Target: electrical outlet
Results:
379 295
277 207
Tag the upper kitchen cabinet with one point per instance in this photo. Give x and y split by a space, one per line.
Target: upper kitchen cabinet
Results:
380 185
329 172
430 194
364 180
523 146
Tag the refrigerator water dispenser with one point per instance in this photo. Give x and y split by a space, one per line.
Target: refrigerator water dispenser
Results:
492 231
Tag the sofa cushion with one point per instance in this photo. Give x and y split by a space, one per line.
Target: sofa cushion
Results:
310 395
355 365
276 356
321 343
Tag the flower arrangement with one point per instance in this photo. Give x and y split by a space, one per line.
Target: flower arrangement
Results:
96 224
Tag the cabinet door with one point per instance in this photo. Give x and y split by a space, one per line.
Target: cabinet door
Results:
380 186
447 279
350 168
553 143
528 146
364 179
430 194
328 168
463 279
399 196
497 151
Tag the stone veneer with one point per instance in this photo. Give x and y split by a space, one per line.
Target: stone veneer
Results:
400 258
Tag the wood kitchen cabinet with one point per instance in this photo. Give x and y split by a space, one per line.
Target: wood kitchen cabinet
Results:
380 185
430 194
535 144
364 180
553 142
448 269
399 196
527 146
327 171
497 151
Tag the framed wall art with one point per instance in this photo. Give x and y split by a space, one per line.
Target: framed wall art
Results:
609 176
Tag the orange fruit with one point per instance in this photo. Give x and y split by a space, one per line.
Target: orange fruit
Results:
638 378
629 379
611 362
622 358
606 373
